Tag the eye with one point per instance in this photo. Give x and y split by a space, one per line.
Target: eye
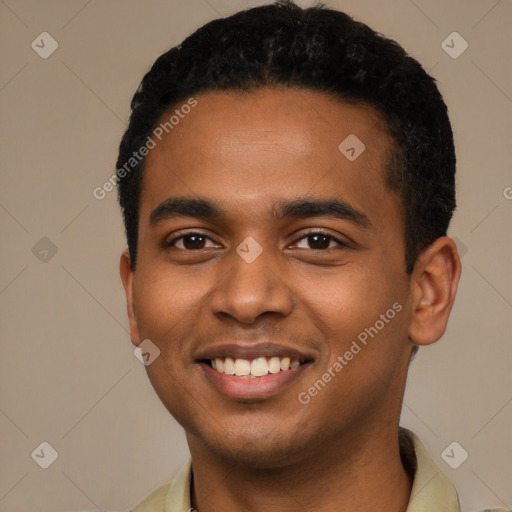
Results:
319 240
189 241
316 240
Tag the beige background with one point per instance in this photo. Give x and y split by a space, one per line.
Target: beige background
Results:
68 374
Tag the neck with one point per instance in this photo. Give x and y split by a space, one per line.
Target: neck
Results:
361 472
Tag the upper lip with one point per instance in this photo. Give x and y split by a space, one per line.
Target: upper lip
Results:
252 351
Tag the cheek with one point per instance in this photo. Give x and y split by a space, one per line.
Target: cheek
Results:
164 300
361 305
364 323
355 296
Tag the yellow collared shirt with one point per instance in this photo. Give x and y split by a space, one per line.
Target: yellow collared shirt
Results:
431 489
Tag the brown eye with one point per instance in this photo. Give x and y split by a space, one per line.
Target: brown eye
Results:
319 241
189 241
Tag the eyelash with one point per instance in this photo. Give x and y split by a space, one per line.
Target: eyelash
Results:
171 242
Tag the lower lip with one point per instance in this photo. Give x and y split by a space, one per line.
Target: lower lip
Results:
257 388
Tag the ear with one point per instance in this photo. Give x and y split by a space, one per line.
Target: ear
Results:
127 275
434 285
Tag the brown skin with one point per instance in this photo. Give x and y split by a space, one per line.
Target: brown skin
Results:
246 152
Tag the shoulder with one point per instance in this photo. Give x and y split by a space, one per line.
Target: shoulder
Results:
431 490
155 502
172 497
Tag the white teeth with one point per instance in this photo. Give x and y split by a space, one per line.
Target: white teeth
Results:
229 366
242 367
274 365
259 367
219 365
285 363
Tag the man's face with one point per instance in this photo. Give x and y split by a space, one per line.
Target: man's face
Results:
261 279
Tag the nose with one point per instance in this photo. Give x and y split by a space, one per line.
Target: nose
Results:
251 289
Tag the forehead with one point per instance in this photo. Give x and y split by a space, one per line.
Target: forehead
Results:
248 150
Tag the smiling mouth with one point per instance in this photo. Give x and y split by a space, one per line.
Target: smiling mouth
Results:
253 368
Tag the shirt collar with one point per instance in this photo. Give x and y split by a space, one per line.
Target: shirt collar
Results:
431 489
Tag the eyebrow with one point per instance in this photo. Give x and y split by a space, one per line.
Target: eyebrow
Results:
175 207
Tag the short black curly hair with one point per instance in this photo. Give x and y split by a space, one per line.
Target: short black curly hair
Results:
318 49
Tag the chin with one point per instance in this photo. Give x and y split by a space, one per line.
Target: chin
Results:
257 446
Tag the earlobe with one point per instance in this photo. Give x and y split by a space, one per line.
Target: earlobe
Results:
434 281
127 277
